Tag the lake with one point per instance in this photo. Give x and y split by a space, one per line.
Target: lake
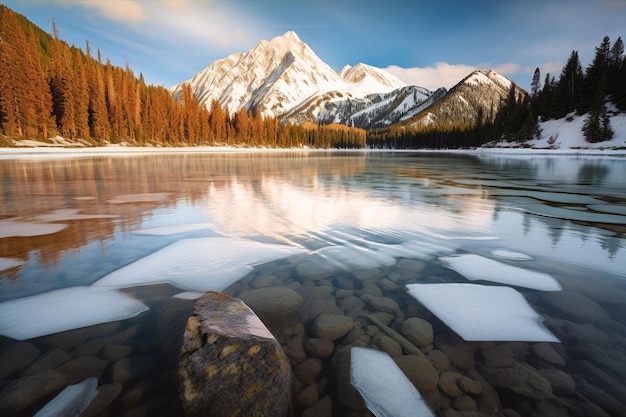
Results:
507 273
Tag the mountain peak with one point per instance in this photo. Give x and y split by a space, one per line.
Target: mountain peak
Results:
284 43
486 77
363 73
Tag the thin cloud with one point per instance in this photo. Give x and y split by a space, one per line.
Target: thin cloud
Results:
441 75
118 10
507 68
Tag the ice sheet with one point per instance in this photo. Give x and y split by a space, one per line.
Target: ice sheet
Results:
139 198
203 264
482 312
71 214
353 257
175 229
72 400
16 228
64 309
8 263
575 215
512 255
384 387
475 267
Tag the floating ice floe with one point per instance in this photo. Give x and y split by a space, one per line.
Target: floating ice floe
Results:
174 229
482 312
71 214
386 390
512 255
575 215
72 401
64 309
609 208
139 198
475 267
8 263
188 295
16 228
202 264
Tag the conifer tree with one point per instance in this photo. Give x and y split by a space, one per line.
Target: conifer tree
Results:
570 85
535 85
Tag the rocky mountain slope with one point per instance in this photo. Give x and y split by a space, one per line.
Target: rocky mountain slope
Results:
475 98
284 78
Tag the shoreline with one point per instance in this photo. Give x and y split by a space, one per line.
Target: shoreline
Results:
120 150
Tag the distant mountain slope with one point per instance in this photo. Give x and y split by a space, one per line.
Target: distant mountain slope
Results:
478 96
284 78
282 74
380 110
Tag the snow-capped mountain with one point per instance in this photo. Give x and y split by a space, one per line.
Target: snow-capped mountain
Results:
284 78
271 78
379 110
478 96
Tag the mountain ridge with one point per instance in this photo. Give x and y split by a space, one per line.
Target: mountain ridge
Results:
284 78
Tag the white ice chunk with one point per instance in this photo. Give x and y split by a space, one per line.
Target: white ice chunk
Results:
72 401
512 255
475 267
482 312
65 309
16 228
8 263
139 198
72 214
188 295
175 229
386 390
203 264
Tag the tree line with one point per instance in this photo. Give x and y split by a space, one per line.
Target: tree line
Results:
597 91
49 88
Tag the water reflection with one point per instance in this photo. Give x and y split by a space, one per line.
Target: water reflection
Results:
354 218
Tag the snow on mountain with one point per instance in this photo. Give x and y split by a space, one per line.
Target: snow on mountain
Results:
478 96
366 78
379 110
284 78
282 75
273 77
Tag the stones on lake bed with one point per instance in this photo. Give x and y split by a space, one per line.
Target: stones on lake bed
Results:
331 326
230 363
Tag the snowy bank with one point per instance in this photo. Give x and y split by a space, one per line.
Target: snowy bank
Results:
565 136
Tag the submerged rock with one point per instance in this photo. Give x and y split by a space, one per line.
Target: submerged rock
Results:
230 364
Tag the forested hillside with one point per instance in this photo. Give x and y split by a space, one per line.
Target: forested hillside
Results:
49 88
597 92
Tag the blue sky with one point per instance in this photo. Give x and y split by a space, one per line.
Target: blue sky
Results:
430 43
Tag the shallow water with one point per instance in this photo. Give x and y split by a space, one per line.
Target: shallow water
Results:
130 232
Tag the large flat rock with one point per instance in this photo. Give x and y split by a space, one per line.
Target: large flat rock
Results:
230 364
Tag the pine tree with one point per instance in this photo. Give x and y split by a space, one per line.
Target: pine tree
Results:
25 100
615 79
597 126
596 76
570 85
535 85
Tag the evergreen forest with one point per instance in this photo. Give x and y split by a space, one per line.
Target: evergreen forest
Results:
50 88
596 92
